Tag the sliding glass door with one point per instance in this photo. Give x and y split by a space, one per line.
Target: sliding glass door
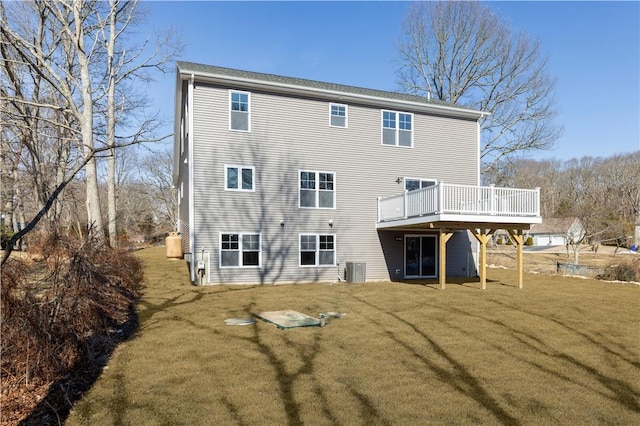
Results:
421 256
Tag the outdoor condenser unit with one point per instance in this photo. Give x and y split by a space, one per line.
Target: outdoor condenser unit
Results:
356 272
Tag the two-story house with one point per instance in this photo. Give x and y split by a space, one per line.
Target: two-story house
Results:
285 180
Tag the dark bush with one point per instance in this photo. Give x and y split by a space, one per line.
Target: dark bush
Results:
624 271
5 235
63 310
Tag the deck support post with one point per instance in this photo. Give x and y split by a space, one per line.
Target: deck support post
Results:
517 236
483 236
444 237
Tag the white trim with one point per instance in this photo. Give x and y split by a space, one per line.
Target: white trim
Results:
240 168
231 92
397 129
317 189
239 250
479 143
183 132
317 251
459 218
346 115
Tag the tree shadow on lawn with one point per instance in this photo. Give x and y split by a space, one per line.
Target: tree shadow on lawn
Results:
460 378
62 394
471 283
623 392
286 379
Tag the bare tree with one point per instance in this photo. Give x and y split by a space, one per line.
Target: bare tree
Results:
603 193
155 173
56 46
124 63
39 134
54 65
463 53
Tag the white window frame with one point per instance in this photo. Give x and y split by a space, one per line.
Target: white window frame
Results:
240 250
317 250
231 111
183 135
396 128
240 177
420 180
317 189
346 115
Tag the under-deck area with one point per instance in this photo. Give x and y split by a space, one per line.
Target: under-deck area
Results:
447 208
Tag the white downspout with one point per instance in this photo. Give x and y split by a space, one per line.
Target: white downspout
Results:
192 243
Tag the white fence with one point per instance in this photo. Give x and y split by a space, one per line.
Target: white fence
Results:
460 199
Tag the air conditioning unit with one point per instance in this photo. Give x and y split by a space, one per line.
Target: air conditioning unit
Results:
356 272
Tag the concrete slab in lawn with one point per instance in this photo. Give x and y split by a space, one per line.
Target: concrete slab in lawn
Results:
289 319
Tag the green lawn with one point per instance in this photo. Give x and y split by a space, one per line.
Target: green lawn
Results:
559 351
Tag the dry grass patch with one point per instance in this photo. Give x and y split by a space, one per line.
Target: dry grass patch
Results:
616 264
562 350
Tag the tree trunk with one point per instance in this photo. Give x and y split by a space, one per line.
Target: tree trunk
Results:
94 214
111 127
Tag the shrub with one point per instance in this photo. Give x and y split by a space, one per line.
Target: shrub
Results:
529 241
5 235
63 311
624 271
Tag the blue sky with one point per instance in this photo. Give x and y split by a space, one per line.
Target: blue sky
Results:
594 50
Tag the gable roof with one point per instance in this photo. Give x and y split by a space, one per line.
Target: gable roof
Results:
557 225
331 91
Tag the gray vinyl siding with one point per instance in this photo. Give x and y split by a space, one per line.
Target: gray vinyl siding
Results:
460 255
289 134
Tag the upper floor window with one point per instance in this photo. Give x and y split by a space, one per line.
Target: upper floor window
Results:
411 184
397 128
239 113
338 115
238 178
317 189
317 250
239 250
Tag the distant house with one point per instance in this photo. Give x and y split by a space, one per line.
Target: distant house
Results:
282 179
557 231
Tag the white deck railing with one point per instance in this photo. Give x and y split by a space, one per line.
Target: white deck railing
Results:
460 199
